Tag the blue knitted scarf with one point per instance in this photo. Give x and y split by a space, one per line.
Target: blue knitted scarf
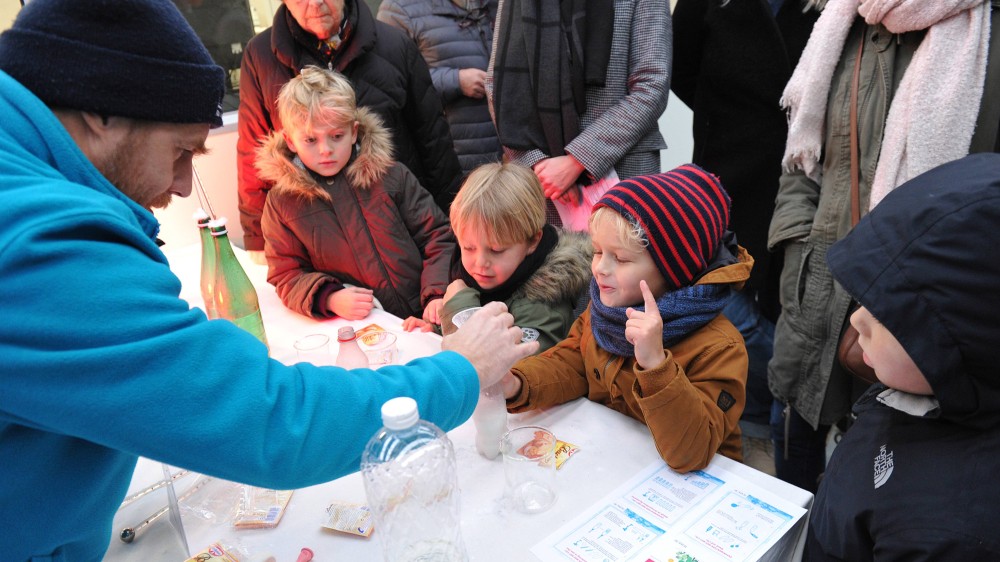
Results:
683 311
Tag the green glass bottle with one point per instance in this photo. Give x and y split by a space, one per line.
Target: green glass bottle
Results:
209 261
235 298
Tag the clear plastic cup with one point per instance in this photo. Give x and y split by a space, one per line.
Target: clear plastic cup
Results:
529 466
380 347
313 348
462 316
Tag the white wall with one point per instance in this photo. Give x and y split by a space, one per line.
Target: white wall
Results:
218 174
675 124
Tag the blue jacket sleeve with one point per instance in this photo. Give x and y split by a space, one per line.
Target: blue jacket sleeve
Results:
111 356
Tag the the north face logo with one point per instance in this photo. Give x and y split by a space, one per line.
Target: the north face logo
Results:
883 466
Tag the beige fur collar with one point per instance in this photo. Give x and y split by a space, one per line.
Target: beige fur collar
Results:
565 273
374 156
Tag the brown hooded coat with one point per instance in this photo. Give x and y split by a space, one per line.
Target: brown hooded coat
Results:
691 402
372 225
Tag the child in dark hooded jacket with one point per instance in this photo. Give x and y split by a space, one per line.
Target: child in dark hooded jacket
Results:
915 476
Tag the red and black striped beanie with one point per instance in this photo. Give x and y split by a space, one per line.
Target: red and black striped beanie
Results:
684 213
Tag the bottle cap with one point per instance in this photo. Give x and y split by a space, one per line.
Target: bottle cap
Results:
218 226
346 334
201 217
400 413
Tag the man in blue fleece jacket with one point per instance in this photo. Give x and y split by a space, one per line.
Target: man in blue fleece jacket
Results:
104 104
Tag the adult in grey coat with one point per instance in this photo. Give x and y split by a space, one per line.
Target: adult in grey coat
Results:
618 128
455 38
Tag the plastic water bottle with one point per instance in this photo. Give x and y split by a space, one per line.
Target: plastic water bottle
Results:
349 354
411 483
490 419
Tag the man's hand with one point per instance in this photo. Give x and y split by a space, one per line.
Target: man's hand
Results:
491 342
472 82
351 303
644 330
557 175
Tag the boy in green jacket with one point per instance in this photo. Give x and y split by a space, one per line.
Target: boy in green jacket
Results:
509 254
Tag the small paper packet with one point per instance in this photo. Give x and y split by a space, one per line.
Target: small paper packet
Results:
215 552
266 510
564 451
539 446
368 331
352 518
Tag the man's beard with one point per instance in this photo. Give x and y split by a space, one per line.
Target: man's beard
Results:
123 170
161 202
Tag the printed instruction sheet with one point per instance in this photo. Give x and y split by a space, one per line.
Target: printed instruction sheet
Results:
710 515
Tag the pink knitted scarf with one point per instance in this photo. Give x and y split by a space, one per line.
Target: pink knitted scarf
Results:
933 113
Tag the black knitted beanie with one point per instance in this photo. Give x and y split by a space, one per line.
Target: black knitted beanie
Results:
127 58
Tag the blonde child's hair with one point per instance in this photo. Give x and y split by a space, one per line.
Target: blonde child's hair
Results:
505 201
628 230
317 96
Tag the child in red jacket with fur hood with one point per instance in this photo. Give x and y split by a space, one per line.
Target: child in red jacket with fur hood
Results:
345 225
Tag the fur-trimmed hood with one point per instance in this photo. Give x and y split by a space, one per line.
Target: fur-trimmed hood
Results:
373 155
565 273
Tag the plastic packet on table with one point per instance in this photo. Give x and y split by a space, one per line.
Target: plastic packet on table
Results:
215 552
532 449
353 518
227 551
564 451
368 330
378 344
261 508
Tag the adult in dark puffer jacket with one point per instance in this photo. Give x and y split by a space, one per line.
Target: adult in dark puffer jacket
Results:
915 476
455 37
389 76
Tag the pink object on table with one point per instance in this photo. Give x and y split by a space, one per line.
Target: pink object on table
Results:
305 555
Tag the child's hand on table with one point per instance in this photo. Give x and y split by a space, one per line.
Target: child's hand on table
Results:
511 385
351 303
413 323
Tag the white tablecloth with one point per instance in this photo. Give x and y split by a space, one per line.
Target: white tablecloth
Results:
613 448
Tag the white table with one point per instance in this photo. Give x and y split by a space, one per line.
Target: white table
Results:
613 448
284 326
